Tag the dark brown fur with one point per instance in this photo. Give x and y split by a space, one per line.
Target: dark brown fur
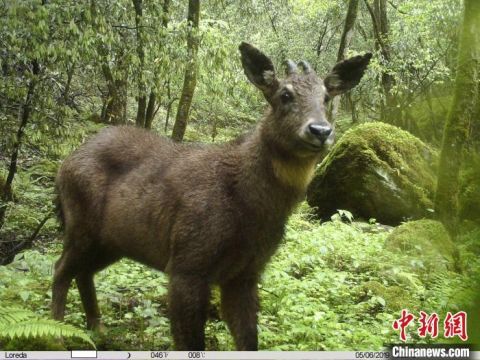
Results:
203 214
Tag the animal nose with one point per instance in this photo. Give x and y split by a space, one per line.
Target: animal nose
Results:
320 131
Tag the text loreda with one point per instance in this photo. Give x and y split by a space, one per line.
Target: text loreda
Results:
15 355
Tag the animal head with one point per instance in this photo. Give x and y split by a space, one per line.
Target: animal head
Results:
298 123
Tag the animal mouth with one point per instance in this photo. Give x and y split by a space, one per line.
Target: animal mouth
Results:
314 146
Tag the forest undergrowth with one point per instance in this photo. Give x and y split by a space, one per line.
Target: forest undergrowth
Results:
331 286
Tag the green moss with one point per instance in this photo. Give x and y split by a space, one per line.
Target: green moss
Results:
33 344
215 304
94 117
429 118
426 240
373 287
377 171
469 199
396 298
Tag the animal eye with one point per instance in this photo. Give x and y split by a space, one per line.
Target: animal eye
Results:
286 97
327 98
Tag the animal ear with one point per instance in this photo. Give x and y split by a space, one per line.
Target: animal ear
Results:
259 69
346 74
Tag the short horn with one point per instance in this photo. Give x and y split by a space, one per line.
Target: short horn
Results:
305 66
290 67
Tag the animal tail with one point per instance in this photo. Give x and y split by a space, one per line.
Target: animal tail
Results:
59 209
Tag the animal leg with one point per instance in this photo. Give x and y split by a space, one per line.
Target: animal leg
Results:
65 269
239 309
188 303
86 287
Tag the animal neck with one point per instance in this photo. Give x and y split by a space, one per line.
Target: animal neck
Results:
271 169
293 173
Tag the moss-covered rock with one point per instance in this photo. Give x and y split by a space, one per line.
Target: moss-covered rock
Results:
395 297
376 171
427 241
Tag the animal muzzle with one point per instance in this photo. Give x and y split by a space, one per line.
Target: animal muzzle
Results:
320 131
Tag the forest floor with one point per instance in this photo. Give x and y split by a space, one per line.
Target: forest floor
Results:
331 286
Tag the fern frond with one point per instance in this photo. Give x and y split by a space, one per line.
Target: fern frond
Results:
10 315
22 323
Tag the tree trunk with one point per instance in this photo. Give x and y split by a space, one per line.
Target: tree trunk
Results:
115 112
24 115
142 91
388 81
461 116
152 99
352 106
145 110
344 44
389 111
116 102
190 79
170 102
348 29
150 110
68 84
142 106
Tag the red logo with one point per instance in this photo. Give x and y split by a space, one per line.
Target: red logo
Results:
429 325
454 325
402 323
